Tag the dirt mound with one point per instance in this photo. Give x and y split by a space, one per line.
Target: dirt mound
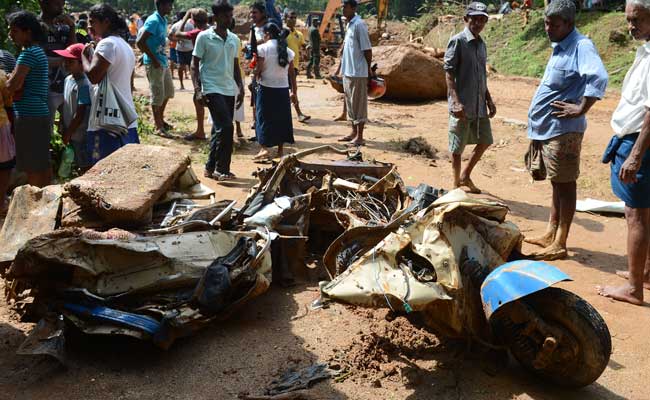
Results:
242 20
393 32
386 349
447 27
412 72
420 146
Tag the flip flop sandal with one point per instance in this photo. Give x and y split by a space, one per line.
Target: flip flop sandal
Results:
304 118
164 134
261 156
219 177
353 144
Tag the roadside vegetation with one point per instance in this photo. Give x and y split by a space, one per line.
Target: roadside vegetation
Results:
515 49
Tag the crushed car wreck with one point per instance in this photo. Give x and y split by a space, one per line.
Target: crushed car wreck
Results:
453 258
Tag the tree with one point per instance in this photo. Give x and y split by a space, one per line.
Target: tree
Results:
6 8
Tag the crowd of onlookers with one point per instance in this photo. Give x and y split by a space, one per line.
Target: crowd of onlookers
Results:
75 74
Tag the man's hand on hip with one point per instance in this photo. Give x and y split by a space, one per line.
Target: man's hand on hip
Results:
567 110
628 171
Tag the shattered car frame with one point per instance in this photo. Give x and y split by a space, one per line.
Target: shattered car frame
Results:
453 258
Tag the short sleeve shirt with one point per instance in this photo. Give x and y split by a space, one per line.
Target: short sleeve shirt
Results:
465 60
193 34
76 92
183 45
121 58
156 25
273 75
217 62
635 95
295 41
33 102
357 40
574 71
57 38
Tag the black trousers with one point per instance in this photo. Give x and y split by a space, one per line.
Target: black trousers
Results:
222 110
314 62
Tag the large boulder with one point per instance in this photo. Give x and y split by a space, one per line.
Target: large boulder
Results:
412 72
243 23
123 187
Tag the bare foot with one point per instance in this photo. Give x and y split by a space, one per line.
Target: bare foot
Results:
341 117
550 253
346 138
621 293
470 185
542 241
626 275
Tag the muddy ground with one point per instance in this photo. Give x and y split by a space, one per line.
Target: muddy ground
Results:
390 358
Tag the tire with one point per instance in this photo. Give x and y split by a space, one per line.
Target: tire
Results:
571 365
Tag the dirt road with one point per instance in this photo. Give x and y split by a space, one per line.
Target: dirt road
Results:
276 332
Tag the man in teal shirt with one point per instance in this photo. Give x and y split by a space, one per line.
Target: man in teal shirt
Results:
152 43
217 81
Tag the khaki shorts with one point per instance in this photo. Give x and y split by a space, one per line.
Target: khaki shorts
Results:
561 156
160 84
468 131
356 99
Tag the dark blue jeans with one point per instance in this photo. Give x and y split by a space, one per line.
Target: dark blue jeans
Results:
222 109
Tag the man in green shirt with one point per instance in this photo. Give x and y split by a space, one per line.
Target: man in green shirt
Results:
217 82
314 44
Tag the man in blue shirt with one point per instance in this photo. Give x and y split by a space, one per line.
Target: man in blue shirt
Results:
575 78
152 43
355 66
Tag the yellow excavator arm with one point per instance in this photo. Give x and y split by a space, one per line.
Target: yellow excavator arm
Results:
334 5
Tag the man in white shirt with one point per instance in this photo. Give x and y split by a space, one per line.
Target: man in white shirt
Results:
184 47
629 155
356 69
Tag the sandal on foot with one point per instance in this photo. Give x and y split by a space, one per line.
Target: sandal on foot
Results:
345 138
163 133
304 118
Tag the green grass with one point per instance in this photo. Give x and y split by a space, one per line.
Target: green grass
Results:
517 50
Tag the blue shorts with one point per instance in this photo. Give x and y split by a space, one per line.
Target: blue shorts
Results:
101 143
635 195
173 55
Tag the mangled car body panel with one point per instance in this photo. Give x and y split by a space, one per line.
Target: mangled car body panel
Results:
515 280
418 263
